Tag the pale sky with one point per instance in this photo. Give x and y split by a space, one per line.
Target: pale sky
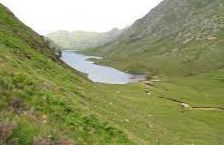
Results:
46 16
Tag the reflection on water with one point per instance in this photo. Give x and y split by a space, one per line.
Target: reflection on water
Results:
98 73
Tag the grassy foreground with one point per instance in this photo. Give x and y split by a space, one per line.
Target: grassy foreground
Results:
148 119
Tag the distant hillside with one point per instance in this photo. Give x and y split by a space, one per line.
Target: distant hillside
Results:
80 39
177 37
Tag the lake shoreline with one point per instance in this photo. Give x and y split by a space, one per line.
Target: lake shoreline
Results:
96 72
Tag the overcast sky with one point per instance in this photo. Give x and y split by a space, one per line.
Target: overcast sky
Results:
46 16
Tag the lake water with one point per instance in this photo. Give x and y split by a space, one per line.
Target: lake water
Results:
98 73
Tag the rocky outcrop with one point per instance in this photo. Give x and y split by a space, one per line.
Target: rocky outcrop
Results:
182 19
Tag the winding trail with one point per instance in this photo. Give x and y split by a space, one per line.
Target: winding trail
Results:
188 106
183 105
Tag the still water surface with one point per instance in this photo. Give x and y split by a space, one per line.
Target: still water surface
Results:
98 73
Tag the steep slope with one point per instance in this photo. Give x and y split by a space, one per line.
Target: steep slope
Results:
42 101
178 37
79 40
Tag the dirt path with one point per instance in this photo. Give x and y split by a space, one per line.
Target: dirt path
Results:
183 105
190 107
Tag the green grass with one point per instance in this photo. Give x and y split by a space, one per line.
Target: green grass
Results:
148 119
41 95
47 100
48 88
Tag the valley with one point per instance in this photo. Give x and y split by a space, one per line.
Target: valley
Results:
44 101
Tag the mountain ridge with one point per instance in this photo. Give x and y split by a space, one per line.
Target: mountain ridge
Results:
176 37
79 40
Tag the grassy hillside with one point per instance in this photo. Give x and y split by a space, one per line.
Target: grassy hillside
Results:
79 40
149 117
178 37
43 102
41 98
